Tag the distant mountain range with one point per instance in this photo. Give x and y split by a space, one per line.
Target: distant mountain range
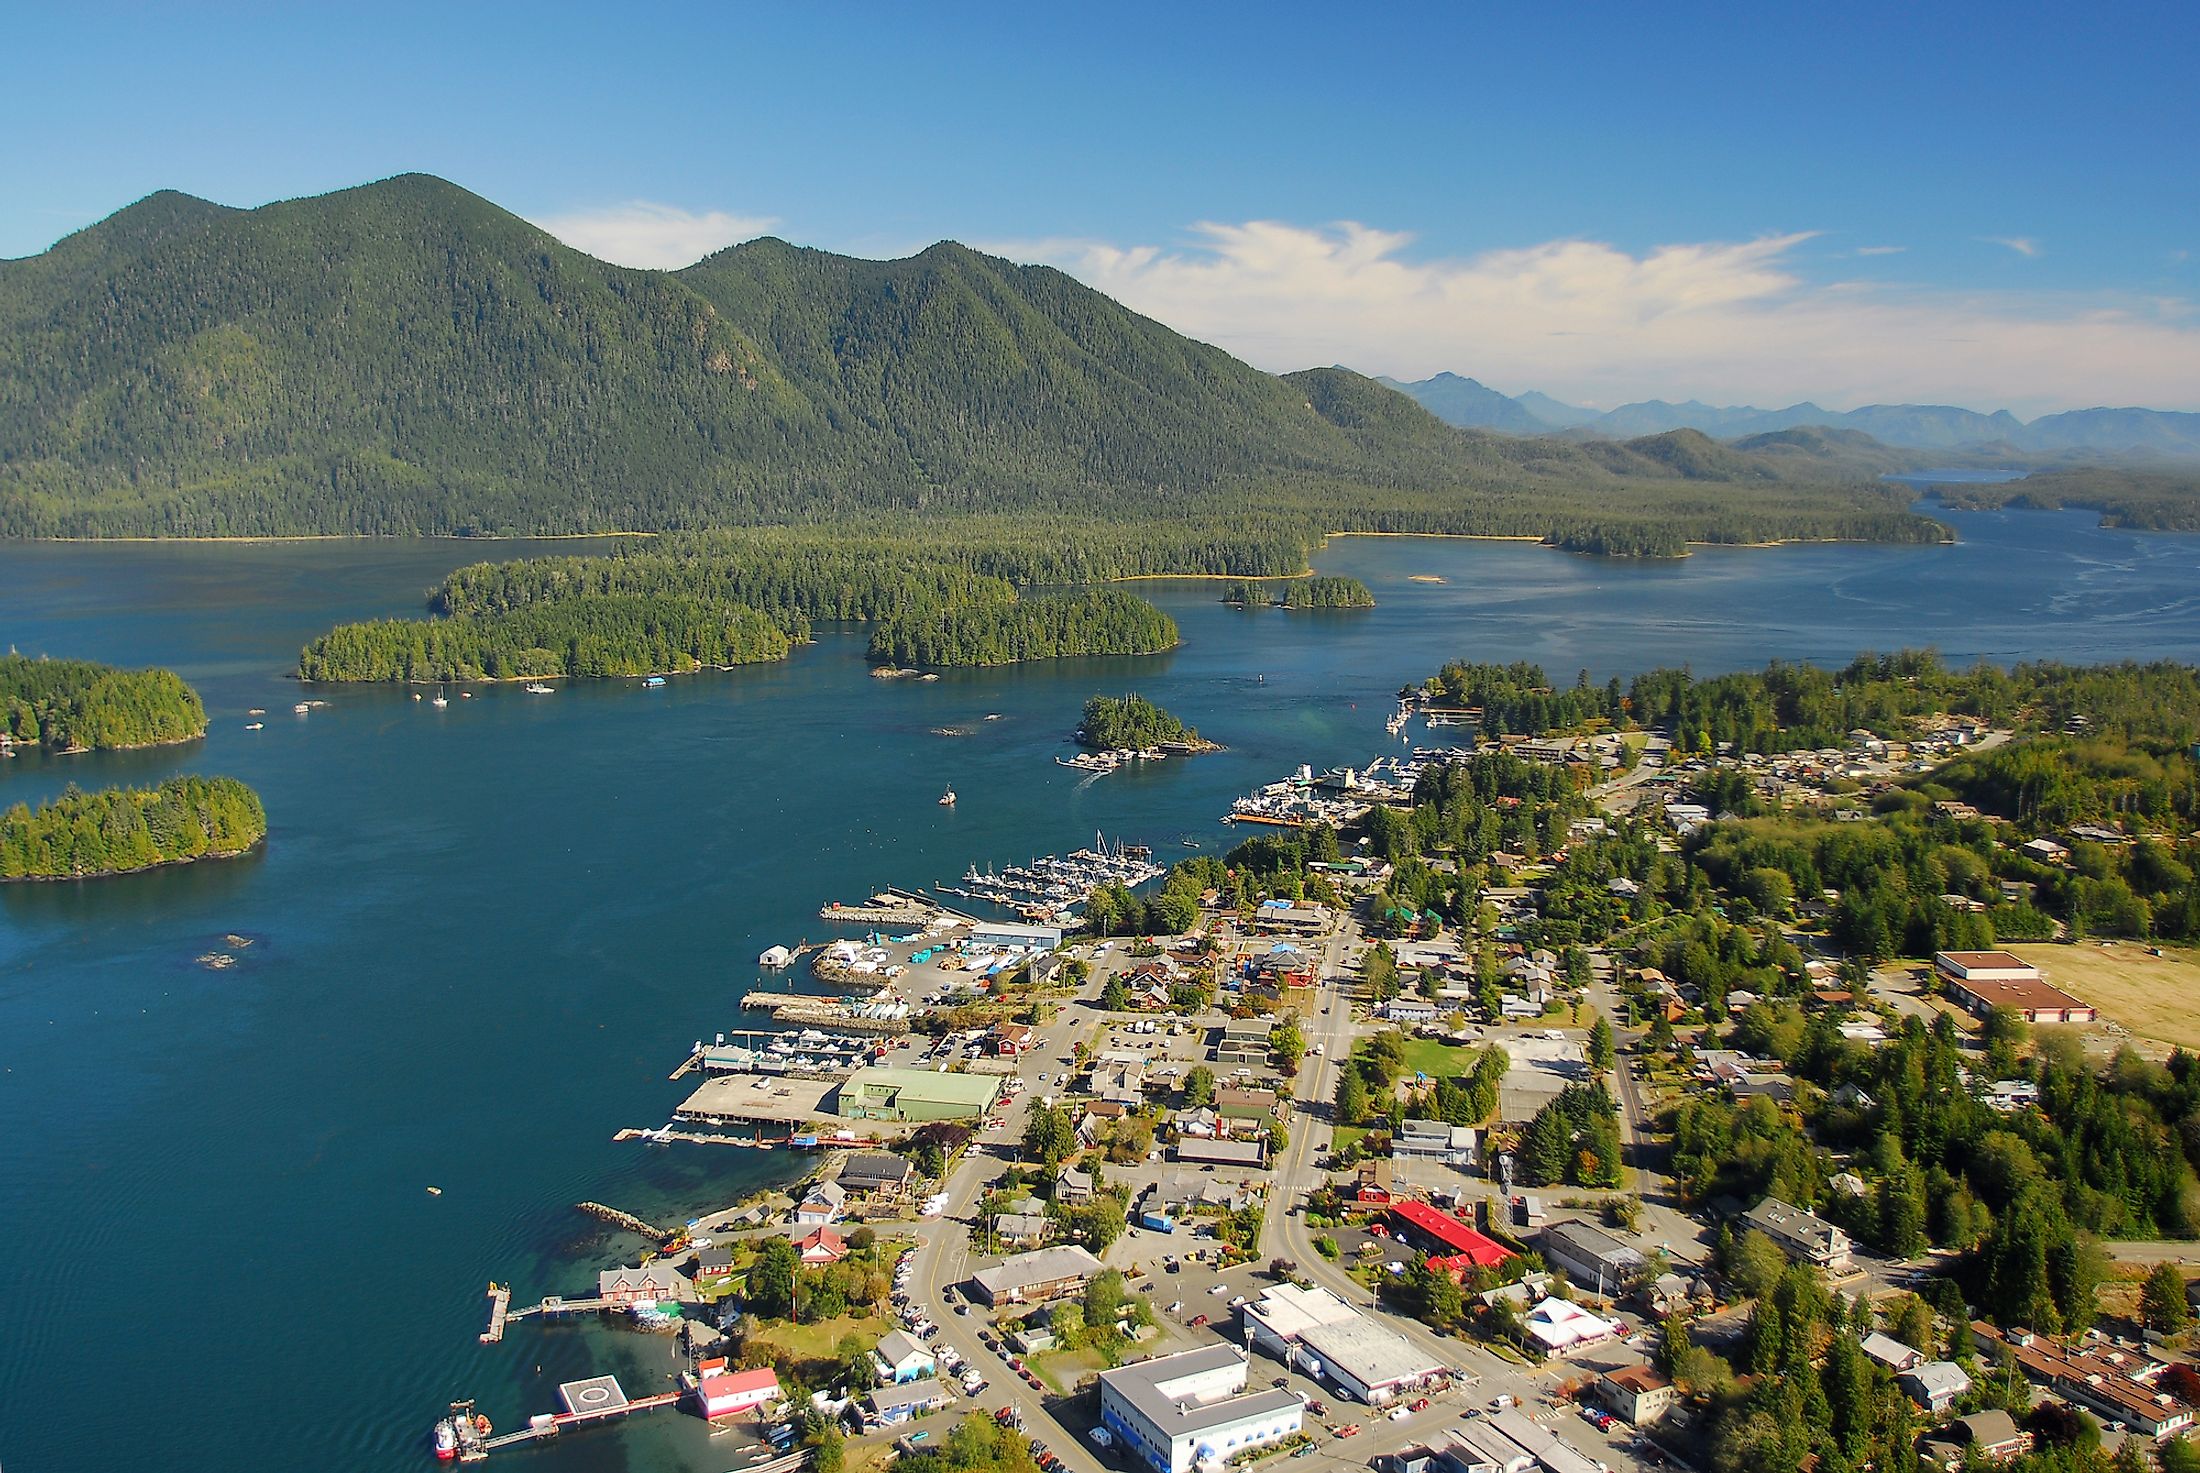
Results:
2118 432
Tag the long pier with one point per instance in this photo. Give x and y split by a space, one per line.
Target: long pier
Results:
552 1423
500 1306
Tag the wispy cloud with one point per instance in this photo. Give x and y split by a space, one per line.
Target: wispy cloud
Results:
1737 321
2023 245
660 237
1880 250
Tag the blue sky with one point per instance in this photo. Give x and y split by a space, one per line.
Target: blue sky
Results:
1967 203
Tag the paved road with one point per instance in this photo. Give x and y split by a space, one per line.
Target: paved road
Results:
945 1259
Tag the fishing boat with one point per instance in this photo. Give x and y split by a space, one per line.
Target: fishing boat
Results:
947 799
537 688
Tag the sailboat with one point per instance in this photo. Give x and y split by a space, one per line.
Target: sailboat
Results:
947 799
440 698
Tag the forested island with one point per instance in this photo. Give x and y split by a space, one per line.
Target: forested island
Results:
1133 723
602 635
80 706
118 831
1053 626
1301 593
737 596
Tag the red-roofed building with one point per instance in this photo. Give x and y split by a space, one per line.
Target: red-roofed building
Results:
1446 1237
821 1245
725 1396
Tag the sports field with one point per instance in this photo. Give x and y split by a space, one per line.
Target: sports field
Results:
2156 997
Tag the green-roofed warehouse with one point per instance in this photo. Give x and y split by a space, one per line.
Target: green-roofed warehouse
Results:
914 1094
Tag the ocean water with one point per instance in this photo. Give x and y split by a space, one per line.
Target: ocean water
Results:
483 936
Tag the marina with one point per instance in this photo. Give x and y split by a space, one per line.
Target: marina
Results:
1053 888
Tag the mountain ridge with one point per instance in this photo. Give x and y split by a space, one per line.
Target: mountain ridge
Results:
405 356
2111 431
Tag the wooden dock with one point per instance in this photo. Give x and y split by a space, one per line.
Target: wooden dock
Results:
500 1306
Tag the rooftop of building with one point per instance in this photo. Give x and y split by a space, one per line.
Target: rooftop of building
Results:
1148 1387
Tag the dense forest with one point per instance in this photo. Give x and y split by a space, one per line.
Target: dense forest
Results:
733 596
617 634
79 706
405 358
117 830
1301 593
1113 723
1046 626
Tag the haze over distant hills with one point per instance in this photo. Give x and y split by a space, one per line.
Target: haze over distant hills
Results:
2146 432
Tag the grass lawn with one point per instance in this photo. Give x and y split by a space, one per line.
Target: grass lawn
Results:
821 1340
2150 995
1345 1136
1437 1059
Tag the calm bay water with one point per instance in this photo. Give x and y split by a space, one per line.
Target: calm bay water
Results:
484 935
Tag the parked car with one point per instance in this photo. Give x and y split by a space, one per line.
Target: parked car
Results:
1349 1429
1421 1405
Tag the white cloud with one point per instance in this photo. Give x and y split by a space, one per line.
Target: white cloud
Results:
2023 245
659 237
1735 322
1880 250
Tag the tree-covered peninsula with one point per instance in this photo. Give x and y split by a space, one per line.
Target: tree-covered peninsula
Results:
601 635
1301 593
80 706
116 831
1117 723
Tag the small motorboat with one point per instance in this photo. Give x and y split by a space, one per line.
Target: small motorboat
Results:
947 799
254 725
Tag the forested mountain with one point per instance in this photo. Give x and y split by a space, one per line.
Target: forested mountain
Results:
406 357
